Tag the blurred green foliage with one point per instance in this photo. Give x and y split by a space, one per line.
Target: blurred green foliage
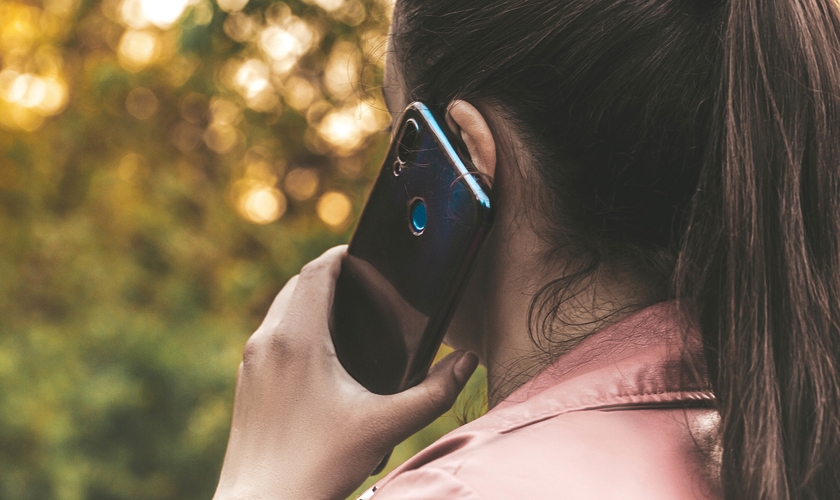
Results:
164 168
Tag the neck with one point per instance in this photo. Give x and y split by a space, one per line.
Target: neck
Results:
493 319
513 352
511 270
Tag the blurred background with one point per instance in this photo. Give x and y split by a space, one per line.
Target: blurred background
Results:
165 167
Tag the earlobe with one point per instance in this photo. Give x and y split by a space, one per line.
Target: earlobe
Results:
466 121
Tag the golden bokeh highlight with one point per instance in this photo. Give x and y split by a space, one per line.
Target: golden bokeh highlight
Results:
18 25
193 107
44 95
255 196
301 183
232 5
141 103
299 93
137 49
334 208
342 131
32 81
286 41
346 130
261 171
131 166
29 98
328 5
262 204
240 27
139 14
341 74
352 13
202 12
252 80
221 135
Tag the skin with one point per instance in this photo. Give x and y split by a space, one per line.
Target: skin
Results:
303 428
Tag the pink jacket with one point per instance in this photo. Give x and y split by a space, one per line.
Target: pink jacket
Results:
617 417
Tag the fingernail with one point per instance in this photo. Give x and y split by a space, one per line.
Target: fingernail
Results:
465 366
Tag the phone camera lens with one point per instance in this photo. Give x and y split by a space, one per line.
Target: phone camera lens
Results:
418 216
408 141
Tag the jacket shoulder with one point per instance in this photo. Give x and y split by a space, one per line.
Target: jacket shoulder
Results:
646 454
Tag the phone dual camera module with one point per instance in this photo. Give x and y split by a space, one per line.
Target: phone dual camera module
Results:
408 144
407 147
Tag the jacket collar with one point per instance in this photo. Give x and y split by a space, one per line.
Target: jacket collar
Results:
643 360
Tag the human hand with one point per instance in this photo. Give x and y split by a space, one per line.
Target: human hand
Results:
302 426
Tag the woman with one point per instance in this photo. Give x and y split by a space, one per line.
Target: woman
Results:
642 151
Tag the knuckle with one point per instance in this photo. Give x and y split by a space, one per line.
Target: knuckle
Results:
314 268
252 352
270 345
281 346
436 397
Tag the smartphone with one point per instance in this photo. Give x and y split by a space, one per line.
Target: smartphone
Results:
409 256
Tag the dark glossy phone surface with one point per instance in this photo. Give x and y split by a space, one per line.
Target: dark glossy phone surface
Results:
398 289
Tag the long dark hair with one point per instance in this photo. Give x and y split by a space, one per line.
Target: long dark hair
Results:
694 142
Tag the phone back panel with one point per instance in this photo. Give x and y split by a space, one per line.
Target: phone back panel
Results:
397 289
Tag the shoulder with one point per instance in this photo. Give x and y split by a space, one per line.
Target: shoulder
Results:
627 454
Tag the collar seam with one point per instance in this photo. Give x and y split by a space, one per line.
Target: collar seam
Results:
611 402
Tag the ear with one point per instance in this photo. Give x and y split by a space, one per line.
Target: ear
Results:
469 124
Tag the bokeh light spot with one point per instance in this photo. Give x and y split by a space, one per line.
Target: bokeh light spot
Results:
328 5
334 209
351 13
279 43
186 137
225 111
262 204
141 103
252 81
286 42
139 14
19 26
240 27
301 183
341 75
44 96
130 165
202 12
232 5
193 107
342 131
55 97
220 137
299 93
137 49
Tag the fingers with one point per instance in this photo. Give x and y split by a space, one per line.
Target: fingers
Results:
307 296
415 408
316 287
281 302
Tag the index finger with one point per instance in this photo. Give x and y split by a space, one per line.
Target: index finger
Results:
313 294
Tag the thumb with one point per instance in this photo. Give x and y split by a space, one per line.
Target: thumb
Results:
417 407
